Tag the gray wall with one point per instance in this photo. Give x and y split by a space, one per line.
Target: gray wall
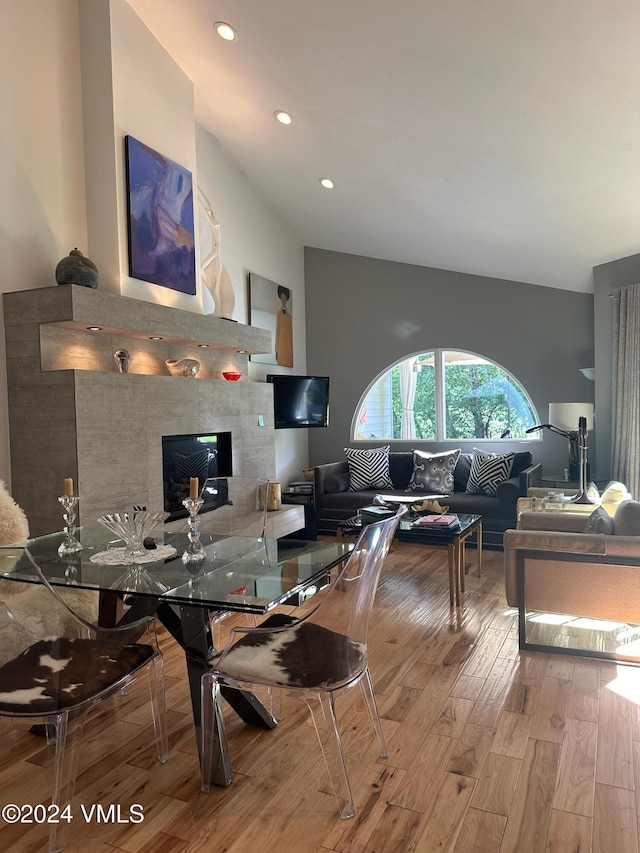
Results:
364 314
607 279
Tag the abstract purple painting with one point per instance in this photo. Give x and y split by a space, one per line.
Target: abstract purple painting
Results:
161 219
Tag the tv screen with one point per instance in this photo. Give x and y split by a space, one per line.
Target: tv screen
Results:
300 401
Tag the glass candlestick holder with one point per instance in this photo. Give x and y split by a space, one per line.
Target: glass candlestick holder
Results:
193 556
70 544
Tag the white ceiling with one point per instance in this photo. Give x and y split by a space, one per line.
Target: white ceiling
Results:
498 137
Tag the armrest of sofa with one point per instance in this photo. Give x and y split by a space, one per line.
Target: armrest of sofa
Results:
322 473
530 477
562 520
583 574
548 542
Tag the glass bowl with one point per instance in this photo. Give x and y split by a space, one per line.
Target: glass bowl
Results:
133 528
232 375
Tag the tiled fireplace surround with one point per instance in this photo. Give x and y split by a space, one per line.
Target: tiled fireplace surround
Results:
73 415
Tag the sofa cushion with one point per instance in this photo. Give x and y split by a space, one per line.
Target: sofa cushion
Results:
599 522
400 468
461 471
433 472
521 460
487 470
336 483
508 491
626 521
368 469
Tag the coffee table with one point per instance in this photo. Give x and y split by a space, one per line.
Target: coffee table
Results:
452 538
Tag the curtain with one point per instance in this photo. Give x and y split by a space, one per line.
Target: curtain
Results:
625 420
408 379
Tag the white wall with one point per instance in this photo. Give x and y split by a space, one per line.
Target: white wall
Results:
132 86
253 238
42 206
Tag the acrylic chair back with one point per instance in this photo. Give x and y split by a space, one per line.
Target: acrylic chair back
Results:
345 609
319 654
234 506
57 667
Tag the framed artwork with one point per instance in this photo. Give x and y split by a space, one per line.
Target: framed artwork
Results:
270 308
160 219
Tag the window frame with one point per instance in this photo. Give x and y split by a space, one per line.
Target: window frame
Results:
440 400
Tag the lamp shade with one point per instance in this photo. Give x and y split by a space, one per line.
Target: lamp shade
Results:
566 415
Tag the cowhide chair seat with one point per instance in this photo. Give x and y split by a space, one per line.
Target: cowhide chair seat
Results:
304 655
62 673
318 655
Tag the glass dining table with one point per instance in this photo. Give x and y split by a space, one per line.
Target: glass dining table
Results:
238 574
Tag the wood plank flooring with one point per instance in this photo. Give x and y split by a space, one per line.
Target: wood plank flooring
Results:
490 750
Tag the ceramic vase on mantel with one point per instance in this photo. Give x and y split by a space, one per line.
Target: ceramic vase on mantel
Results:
183 367
76 269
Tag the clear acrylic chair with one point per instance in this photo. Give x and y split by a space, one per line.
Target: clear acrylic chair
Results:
317 655
57 677
234 506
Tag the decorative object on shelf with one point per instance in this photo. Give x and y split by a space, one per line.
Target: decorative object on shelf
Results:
213 274
307 473
273 494
76 269
122 360
193 556
70 544
133 528
271 309
183 366
160 218
232 375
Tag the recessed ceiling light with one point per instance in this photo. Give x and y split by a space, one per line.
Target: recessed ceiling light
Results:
155 338
94 328
327 183
203 346
282 117
225 31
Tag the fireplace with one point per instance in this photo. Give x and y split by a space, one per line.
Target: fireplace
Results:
186 456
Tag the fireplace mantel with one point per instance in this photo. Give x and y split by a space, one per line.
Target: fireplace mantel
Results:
71 414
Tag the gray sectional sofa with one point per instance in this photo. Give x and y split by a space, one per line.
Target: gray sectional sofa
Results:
334 502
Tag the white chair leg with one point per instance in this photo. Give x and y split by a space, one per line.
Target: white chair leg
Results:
155 676
366 686
323 713
68 740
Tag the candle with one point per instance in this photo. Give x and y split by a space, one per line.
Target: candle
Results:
194 486
68 487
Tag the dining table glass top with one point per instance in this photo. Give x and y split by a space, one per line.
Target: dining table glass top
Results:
238 573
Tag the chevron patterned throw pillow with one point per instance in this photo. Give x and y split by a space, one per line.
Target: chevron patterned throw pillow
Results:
368 469
487 471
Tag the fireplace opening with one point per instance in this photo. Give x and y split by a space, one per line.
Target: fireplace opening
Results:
186 456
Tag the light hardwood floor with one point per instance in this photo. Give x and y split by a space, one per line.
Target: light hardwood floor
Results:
490 750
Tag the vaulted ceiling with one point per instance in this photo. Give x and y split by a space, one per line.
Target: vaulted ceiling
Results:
497 137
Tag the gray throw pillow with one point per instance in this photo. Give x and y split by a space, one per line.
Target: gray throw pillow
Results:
599 522
433 472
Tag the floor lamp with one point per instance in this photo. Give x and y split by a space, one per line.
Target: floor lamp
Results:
564 417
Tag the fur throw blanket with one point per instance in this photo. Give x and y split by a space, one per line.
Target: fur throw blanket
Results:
13 522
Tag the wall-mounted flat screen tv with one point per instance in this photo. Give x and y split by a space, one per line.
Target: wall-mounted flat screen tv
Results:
300 401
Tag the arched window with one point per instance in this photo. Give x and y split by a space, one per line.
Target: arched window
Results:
445 394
